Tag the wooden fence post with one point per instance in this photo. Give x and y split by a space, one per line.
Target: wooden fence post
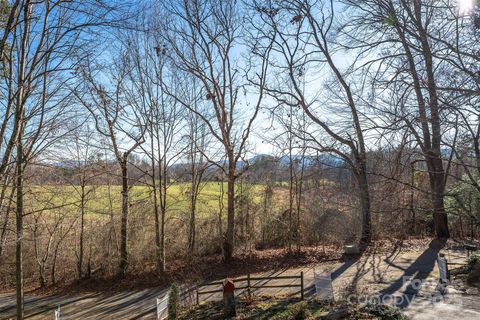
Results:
198 298
301 284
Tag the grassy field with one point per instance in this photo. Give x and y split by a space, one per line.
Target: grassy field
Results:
104 199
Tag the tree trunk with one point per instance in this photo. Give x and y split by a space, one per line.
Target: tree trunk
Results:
162 194
220 209
162 241
193 207
82 226
471 228
163 207
436 174
41 275
461 225
366 234
155 207
19 230
124 223
266 206
19 121
439 214
4 187
54 264
299 196
429 114
228 245
434 157
290 196
413 226
157 226
3 235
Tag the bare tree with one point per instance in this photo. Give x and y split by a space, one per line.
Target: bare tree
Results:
38 38
289 139
197 145
163 116
117 120
42 227
79 153
412 48
200 39
302 32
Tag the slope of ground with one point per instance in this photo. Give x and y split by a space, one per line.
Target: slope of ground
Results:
388 274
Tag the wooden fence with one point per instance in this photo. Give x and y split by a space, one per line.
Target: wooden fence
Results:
248 286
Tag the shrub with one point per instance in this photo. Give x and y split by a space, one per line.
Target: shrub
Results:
471 261
385 312
173 303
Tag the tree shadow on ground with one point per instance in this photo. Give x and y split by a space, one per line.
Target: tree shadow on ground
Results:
347 262
35 306
371 264
416 274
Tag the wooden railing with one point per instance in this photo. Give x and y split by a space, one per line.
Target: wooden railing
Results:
248 286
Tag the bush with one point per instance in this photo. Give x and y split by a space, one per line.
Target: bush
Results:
471 261
384 312
173 302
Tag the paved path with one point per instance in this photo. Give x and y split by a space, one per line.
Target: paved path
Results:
127 305
380 276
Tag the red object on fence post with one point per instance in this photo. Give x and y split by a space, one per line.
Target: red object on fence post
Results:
229 297
228 285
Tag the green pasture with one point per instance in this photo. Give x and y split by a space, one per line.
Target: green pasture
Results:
106 200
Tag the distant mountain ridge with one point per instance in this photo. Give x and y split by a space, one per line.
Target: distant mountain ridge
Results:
326 160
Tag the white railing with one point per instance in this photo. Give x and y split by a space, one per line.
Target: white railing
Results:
162 307
57 313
